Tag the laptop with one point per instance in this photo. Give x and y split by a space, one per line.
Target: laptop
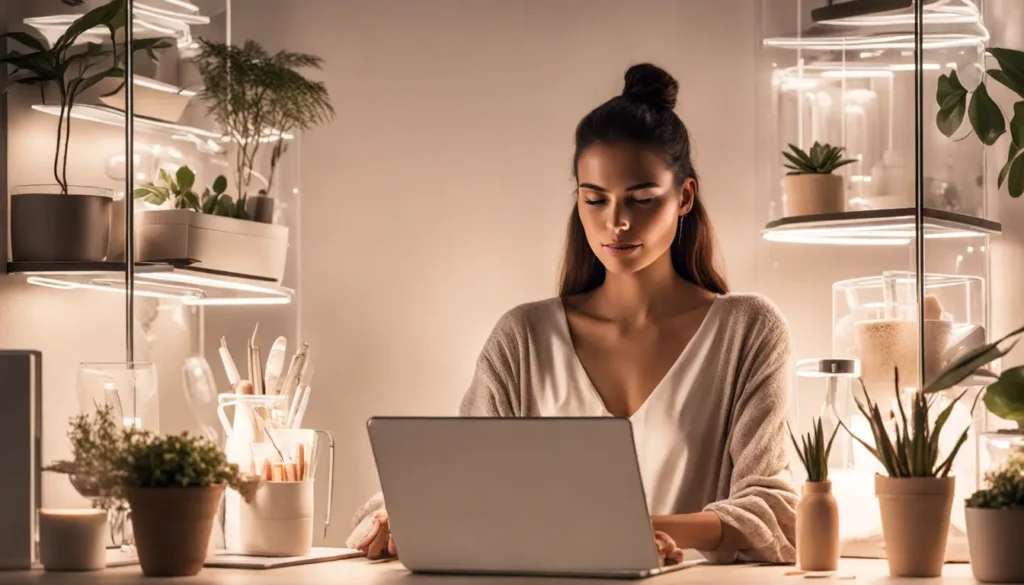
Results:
516 496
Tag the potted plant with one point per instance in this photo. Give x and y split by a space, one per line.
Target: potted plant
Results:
995 513
98 441
210 230
260 98
64 222
809 186
174 484
916 495
817 514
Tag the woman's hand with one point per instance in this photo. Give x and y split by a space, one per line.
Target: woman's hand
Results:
373 537
668 553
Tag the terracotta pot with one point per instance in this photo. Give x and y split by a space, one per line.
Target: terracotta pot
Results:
994 538
817 528
915 523
172 528
813 194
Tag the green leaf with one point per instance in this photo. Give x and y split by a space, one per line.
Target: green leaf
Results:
1005 397
225 206
986 118
105 15
951 115
192 200
1013 152
1006 80
1017 124
220 184
967 364
1012 64
1015 179
186 178
27 40
94 79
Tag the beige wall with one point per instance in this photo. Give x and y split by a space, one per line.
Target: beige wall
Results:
438 199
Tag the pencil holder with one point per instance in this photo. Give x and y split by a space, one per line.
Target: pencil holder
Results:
278 521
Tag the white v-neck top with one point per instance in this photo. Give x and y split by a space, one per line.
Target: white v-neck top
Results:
664 428
710 437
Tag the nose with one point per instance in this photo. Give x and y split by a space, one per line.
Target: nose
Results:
619 219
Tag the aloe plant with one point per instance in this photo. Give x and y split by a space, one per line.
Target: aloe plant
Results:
915 450
1004 394
73 68
987 121
822 159
815 451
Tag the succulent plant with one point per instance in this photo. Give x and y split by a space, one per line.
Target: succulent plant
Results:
822 159
815 451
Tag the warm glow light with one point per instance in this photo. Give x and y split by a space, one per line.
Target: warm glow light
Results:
893 41
789 237
857 73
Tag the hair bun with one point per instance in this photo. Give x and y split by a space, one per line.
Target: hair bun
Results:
652 85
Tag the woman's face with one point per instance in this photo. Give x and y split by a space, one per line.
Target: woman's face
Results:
629 205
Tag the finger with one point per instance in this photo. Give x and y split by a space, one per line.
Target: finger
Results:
392 549
370 536
378 548
675 557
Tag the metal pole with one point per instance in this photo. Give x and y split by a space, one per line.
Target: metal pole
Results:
919 253
129 182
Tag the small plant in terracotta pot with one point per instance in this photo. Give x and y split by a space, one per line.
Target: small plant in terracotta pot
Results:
995 524
916 495
174 485
995 514
810 187
817 514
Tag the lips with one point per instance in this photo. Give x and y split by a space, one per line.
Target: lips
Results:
621 246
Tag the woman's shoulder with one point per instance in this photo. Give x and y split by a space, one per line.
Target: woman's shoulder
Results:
520 319
753 312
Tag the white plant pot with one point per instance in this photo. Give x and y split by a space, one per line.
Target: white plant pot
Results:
994 538
219 244
279 520
813 194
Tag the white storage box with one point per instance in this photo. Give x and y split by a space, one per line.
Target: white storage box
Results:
221 244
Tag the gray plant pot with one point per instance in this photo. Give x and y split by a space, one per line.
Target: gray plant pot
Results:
994 538
48 227
260 208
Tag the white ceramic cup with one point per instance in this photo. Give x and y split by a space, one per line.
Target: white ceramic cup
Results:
279 520
73 539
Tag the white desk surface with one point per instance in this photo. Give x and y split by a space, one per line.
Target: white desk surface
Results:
363 572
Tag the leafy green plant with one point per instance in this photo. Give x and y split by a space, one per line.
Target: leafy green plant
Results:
1004 395
915 450
178 188
72 68
815 451
257 97
822 159
98 445
1005 486
182 460
986 119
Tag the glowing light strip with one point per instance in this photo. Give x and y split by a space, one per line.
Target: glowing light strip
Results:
895 41
187 296
967 13
805 238
215 283
116 118
68 285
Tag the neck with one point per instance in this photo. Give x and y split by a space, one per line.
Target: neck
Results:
652 294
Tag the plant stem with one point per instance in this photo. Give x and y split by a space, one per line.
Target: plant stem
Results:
67 134
56 154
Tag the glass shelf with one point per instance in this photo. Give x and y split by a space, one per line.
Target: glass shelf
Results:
189 285
876 227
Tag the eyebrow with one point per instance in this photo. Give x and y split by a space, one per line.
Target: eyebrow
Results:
636 187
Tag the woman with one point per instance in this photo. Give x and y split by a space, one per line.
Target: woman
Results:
644 327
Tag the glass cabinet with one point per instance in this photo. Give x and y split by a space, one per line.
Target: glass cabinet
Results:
878 252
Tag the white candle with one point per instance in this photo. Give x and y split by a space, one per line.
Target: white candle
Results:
72 539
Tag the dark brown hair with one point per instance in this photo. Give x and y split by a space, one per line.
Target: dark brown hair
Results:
644 115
